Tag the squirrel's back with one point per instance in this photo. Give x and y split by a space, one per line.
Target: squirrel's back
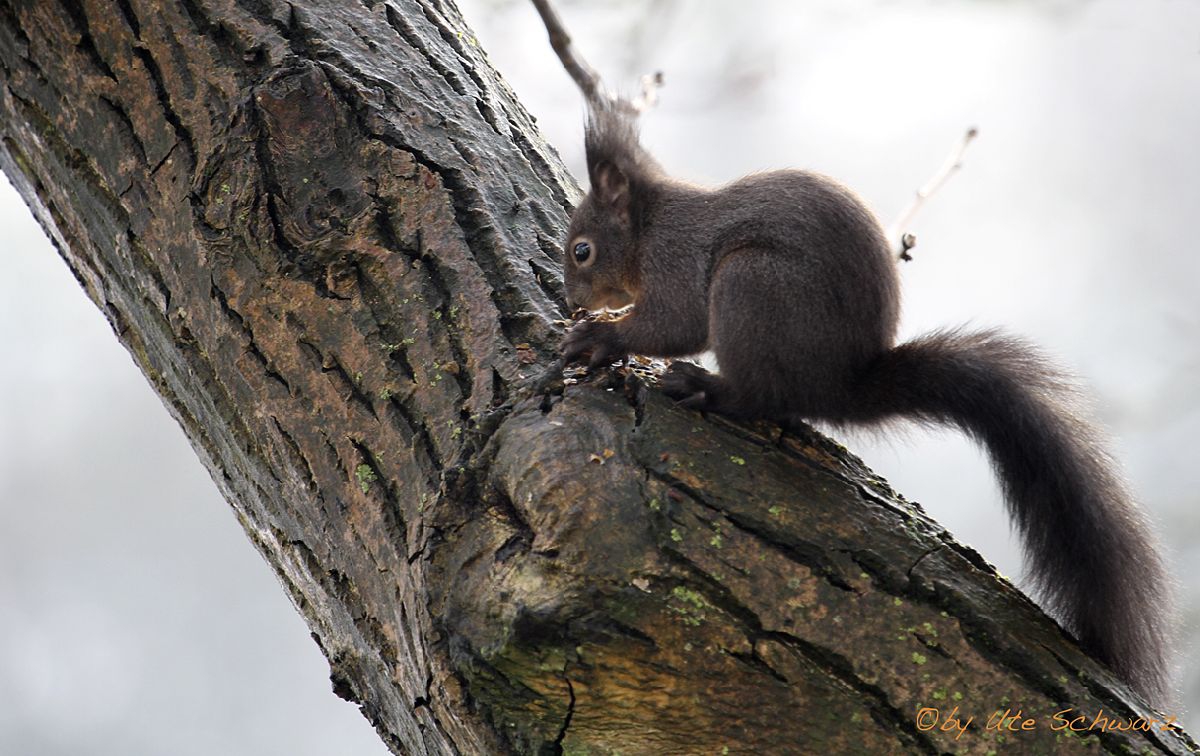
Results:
822 254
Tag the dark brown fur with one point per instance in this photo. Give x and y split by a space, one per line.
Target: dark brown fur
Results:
788 278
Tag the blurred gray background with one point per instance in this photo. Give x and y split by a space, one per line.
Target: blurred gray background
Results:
1073 222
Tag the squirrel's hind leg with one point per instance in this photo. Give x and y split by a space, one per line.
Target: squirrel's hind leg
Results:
787 343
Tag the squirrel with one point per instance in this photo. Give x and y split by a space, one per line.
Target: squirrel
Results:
788 278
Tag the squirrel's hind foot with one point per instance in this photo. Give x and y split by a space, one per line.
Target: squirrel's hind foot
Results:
690 385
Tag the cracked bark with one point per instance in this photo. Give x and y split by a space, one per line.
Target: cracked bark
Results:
326 231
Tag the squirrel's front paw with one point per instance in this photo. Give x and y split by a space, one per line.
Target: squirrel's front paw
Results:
687 384
599 338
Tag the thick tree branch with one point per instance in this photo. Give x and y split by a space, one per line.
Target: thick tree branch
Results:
329 236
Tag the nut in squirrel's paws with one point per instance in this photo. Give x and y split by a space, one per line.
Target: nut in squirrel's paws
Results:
687 384
599 338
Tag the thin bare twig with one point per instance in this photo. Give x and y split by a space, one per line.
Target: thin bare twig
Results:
649 96
586 78
901 239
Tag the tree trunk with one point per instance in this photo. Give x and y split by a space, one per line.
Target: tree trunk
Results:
329 235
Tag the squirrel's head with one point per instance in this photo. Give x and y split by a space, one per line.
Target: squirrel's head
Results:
601 266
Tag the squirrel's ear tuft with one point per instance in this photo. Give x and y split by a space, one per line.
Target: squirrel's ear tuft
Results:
617 164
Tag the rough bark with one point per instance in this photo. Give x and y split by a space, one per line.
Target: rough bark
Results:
328 233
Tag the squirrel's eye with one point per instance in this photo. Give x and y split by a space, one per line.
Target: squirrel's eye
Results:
582 252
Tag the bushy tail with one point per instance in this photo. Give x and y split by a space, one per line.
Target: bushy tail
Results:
1089 552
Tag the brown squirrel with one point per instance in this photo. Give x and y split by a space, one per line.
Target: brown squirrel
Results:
789 280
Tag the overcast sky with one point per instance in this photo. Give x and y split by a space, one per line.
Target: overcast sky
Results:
136 617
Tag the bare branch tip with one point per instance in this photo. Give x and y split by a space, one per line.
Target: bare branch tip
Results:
649 96
905 241
585 77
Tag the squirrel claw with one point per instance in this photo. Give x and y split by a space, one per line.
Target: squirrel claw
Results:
596 338
687 384
602 356
697 401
